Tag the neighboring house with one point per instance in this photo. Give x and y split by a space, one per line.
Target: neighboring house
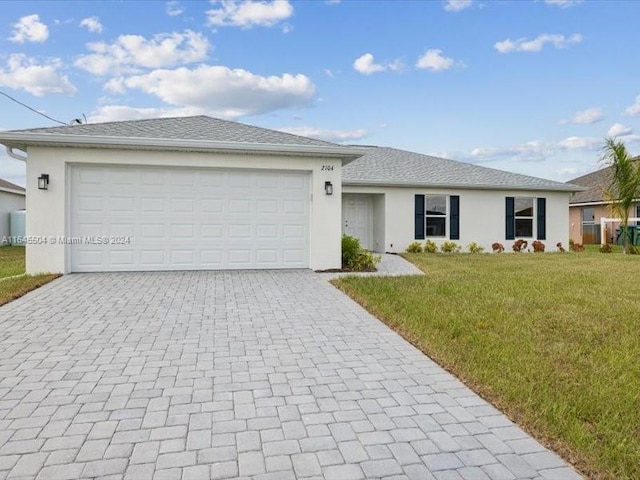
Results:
587 207
202 193
11 199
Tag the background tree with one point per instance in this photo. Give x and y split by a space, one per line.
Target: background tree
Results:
624 186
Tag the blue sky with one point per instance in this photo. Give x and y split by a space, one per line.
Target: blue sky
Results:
530 87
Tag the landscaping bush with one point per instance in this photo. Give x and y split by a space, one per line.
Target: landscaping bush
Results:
538 246
450 247
606 248
430 247
364 261
350 248
575 247
497 247
519 245
356 258
414 247
633 250
475 248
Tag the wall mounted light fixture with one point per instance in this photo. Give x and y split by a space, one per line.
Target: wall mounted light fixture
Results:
328 188
43 181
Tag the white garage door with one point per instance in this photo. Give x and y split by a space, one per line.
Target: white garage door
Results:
187 219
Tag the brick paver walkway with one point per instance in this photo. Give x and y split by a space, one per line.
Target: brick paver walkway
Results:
256 375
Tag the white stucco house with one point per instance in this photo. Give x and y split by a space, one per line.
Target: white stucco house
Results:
202 193
12 198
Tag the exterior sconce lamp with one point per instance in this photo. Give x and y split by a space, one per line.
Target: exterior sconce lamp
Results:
43 181
328 188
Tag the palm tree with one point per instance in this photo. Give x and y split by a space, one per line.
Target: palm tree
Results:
624 187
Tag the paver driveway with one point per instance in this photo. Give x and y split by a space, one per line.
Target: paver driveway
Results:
261 375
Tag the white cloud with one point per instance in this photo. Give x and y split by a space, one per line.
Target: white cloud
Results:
24 73
174 8
249 13
585 117
92 24
366 65
580 143
534 151
130 52
338 136
619 130
635 108
434 60
563 3
538 43
30 29
457 5
221 91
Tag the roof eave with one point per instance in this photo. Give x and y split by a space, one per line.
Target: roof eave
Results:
11 190
23 140
462 186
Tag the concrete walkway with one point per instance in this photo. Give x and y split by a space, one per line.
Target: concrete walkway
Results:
390 265
252 375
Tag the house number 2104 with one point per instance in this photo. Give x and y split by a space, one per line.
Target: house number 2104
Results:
327 167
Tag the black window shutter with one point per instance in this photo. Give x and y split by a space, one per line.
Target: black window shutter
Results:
542 218
510 232
454 217
420 211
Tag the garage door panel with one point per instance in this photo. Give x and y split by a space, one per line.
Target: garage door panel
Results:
211 206
189 218
152 257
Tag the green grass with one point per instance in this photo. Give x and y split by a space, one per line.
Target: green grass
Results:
12 264
11 261
553 340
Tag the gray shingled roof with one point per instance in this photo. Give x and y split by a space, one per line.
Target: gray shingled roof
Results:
389 166
10 186
183 128
594 184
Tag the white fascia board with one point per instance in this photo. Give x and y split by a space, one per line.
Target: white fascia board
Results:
23 140
463 186
11 190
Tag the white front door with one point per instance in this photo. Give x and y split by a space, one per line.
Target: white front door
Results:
160 218
357 218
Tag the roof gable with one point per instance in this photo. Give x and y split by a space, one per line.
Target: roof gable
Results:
199 127
390 166
594 185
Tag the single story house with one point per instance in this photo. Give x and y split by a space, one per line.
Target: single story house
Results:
588 207
203 193
12 198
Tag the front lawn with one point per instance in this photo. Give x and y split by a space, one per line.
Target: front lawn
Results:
11 261
11 265
553 340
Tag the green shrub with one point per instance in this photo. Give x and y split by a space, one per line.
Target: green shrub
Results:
350 248
364 261
356 258
450 247
414 247
633 250
606 248
475 248
430 247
